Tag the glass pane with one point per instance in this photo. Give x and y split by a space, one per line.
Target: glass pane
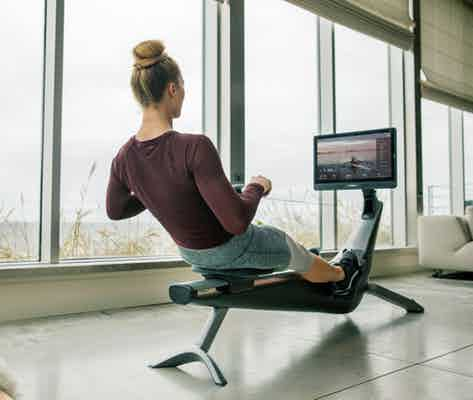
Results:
435 158
468 149
281 114
100 115
362 103
21 80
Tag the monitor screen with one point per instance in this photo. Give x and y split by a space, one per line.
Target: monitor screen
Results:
355 160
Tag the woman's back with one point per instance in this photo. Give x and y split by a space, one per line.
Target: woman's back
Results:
179 178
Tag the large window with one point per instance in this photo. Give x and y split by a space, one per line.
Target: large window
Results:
362 103
468 152
100 114
281 113
21 71
435 158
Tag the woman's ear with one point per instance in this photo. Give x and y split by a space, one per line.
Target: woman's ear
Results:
172 89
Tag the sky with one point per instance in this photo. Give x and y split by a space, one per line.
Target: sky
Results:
100 114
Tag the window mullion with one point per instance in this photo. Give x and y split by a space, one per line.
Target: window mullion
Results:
328 207
237 91
52 119
413 206
211 72
224 102
457 176
232 89
396 115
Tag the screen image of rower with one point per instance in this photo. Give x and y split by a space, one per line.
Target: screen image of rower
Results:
354 158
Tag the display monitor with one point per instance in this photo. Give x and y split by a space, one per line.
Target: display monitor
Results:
355 160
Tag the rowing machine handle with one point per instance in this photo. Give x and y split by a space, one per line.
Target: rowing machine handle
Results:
238 187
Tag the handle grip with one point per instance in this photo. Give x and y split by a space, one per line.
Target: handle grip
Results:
238 187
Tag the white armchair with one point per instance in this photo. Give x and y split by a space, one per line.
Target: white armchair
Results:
446 241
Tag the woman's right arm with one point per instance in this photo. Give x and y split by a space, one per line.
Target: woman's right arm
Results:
234 211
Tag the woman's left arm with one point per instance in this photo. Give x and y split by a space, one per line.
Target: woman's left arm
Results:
120 202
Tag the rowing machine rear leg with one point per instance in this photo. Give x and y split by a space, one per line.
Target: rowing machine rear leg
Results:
199 352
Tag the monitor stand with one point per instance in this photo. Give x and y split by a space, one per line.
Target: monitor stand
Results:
362 242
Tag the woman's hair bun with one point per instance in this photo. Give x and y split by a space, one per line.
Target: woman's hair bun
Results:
149 49
153 69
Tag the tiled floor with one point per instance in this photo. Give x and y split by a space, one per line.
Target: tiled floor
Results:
376 352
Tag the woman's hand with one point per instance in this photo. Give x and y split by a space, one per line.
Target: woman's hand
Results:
265 182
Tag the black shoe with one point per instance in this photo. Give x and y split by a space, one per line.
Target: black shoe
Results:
349 263
314 250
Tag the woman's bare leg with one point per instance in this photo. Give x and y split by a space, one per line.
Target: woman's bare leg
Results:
321 271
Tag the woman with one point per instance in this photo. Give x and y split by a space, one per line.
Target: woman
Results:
179 178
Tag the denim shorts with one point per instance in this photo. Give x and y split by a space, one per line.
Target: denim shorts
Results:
263 247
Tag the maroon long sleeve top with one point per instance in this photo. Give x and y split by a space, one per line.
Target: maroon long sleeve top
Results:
179 178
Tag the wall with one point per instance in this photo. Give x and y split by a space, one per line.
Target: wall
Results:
63 293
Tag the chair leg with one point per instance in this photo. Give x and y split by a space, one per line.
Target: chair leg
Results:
410 305
461 275
199 352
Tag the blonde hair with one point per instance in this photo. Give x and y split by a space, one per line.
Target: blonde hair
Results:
153 70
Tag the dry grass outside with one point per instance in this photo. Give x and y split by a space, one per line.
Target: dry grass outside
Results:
349 216
110 241
297 217
10 244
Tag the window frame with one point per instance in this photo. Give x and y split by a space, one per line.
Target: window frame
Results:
396 104
223 121
52 129
456 161
464 153
53 61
